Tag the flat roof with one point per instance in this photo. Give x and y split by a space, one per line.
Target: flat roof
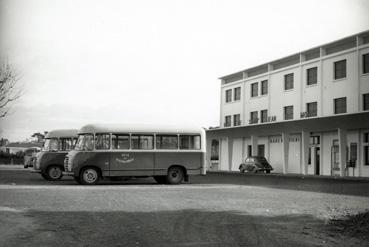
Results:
62 133
294 54
139 128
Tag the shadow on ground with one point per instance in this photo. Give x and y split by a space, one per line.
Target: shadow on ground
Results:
166 228
313 184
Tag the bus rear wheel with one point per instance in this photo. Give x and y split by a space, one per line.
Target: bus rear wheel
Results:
89 176
175 175
54 173
160 179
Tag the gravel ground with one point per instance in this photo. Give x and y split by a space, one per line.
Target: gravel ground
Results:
209 211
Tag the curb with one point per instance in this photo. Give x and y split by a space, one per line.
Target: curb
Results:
320 177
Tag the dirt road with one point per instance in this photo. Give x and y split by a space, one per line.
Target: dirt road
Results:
209 211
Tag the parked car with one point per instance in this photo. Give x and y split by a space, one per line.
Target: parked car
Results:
255 164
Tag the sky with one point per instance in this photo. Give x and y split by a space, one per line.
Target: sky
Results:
150 62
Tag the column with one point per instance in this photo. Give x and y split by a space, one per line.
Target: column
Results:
208 153
254 145
342 142
230 153
285 152
305 142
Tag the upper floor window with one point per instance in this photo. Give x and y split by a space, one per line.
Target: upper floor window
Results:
288 81
264 87
228 95
288 112
166 142
237 93
366 63
340 69
366 101
340 105
254 89
102 141
236 120
312 109
120 141
264 116
227 121
253 117
142 141
312 76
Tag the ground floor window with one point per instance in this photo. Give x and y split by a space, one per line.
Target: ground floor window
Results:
335 155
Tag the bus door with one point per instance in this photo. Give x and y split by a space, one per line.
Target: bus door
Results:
135 158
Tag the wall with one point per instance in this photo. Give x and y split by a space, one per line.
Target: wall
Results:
223 151
237 153
276 153
294 154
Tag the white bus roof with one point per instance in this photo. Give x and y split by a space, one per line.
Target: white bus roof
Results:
139 128
62 133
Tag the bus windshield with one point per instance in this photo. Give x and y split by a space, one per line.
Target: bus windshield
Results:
85 142
51 144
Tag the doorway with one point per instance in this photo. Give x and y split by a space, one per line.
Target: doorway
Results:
249 150
317 160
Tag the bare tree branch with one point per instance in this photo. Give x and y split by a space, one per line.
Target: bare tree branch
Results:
9 92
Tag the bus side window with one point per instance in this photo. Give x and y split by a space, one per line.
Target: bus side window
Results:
65 144
102 141
142 141
166 142
61 143
120 141
189 142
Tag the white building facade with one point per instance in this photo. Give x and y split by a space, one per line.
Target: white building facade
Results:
307 113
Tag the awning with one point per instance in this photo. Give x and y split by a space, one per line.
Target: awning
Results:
312 124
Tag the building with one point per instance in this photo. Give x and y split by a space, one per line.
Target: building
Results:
307 113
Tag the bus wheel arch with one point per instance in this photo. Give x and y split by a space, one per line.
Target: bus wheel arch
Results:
53 172
176 174
89 175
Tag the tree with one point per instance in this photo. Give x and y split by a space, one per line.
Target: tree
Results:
9 92
40 137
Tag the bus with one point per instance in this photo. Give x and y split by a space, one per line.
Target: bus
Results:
168 154
50 161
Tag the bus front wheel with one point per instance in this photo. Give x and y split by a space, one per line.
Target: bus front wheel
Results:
89 176
175 175
54 173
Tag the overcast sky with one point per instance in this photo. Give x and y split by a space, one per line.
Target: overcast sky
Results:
150 61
